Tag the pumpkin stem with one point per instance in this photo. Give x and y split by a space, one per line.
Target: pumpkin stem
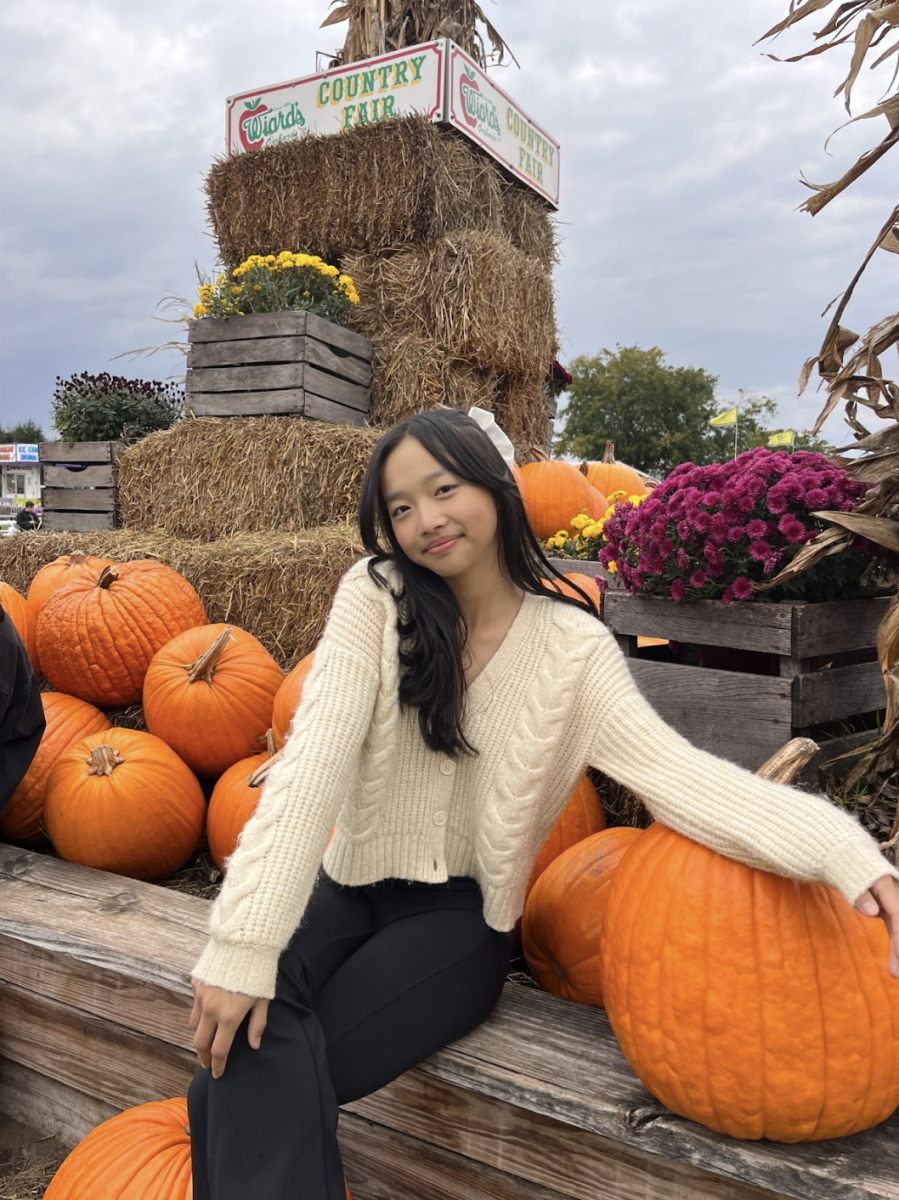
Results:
103 760
107 576
203 669
540 455
789 760
259 776
584 469
609 455
77 559
270 747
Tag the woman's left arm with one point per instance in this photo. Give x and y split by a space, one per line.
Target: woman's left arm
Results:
725 807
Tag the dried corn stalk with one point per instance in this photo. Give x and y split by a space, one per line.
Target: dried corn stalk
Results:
381 26
871 27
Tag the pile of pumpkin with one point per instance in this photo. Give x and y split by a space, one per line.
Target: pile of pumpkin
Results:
215 703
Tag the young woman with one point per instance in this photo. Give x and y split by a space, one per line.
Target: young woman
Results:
453 704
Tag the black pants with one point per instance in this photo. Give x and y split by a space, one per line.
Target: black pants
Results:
376 979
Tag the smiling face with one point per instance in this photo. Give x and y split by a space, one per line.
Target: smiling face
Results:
441 521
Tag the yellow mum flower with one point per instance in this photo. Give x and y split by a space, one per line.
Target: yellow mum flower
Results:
612 568
257 287
200 310
636 500
235 291
580 521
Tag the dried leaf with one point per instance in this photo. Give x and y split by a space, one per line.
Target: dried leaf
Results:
339 14
881 530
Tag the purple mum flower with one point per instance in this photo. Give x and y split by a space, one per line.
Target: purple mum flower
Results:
757 528
792 528
777 499
760 551
677 590
683 560
698 579
742 588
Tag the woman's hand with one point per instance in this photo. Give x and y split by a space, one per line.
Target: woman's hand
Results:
882 900
216 1017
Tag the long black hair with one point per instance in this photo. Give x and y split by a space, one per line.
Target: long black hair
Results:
431 625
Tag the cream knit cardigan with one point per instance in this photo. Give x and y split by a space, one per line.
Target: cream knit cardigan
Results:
556 697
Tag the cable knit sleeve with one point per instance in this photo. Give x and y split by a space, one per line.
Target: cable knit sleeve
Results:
725 807
271 873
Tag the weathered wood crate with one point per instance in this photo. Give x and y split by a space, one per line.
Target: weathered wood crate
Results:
80 485
794 667
289 363
536 1104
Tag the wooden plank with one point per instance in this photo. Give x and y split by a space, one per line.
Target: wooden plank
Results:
838 626
86 499
48 1105
287 402
253 378
283 324
320 409
581 566
762 627
381 1164
77 522
240 351
540 1150
80 452
740 717
293 403
330 387
105 475
831 695
110 1062
337 361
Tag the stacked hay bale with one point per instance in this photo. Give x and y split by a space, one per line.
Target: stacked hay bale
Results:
451 260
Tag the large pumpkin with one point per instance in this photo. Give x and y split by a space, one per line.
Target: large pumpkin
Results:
756 1005
209 693
554 492
68 721
57 574
562 926
123 801
142 1153
581 817
287 701
96 638
16 607
609 476
233 802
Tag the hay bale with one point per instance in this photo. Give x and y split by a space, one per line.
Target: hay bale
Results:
478 297
213 477
367 189
412 373
277 586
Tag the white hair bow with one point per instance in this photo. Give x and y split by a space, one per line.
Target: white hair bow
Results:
487 422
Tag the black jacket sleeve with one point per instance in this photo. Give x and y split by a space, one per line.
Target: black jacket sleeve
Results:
22 720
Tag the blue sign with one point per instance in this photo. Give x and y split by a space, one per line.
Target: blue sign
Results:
27 452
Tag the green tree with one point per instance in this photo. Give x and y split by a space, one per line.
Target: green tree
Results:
25 431
657 415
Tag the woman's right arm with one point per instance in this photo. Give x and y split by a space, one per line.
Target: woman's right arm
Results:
270 876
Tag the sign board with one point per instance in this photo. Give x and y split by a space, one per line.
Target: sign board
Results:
27 452
437 80
490 117
8 452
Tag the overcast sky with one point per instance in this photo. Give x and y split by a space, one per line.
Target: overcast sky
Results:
682 146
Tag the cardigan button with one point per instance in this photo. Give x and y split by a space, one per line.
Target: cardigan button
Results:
440 818
447 767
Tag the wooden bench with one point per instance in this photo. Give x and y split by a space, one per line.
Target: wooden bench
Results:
537 1104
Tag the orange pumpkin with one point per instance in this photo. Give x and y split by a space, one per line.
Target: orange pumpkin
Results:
68 721
142 1153
518 477
609 476
587 583
233 802
16 608
123 801
209 693
57 574
554 492
581 817
756 1005
96 637
562 926
287 701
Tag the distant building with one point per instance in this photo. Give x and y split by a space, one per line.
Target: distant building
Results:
20 480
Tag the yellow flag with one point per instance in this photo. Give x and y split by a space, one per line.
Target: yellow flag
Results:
725 418
782 439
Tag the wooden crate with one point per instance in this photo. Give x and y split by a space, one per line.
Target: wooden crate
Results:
290 363
538 1103
80 488
798 666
